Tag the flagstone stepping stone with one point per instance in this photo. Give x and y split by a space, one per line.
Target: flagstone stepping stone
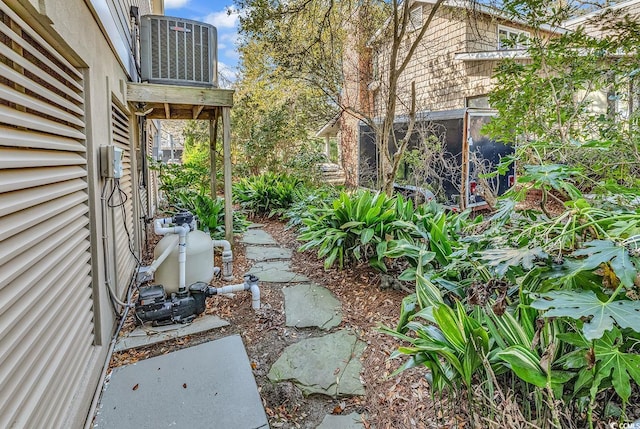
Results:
264 253
276 272
148 335
257 236
350 421
328 365
255 225
309 305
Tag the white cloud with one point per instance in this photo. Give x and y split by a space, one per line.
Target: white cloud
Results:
232 53
229 38
222 19
227 76
175 4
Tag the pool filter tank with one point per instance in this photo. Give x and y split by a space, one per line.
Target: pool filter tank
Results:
198 265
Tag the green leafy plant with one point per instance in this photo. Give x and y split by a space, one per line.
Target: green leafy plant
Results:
586 304
549 177
508 282
355 228
502 259
178 180
306 200
611 360
267 194
453 347
210 214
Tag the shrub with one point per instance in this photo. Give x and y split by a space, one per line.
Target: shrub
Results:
176 180
558 296
356 228
267 194
305 201
210 214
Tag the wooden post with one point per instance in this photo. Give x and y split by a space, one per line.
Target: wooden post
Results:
228 198
327 148
213 137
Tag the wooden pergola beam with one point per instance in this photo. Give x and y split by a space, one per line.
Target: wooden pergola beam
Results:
195 96
196 111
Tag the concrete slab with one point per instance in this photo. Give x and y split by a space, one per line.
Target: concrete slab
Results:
147 335
328 365
257 236
266 253
255 225
209 386
350 421
276 272
309 305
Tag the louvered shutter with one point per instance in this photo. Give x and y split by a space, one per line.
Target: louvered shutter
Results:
123 214
46 317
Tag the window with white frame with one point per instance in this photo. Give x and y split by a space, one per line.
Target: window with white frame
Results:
512 38
415 18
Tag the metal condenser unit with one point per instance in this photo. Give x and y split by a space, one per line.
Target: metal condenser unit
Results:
178 51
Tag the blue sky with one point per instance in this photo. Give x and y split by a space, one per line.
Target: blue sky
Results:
212 12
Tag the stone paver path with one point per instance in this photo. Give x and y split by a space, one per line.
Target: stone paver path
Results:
329 364
147 335
276 272
309 305
350 421
262 253
258 236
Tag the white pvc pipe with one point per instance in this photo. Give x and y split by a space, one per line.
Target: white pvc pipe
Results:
231 289
248 286
255 296
227 258
161 230
154 266
182 260
222 243
182 232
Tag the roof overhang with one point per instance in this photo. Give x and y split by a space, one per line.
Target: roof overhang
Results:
177 102
516 54
575 22
471 5
493 12
331 128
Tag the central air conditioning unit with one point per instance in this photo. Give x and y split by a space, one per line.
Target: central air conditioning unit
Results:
177 51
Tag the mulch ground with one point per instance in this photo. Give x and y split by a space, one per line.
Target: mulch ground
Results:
400 401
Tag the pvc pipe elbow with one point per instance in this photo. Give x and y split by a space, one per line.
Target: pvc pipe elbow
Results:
255 296
226 246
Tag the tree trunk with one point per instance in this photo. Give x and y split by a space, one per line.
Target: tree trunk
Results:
388 163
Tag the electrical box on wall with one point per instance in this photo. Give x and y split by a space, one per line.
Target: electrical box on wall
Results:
111 162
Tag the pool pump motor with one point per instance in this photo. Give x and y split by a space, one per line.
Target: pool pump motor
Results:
154 306
182 307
